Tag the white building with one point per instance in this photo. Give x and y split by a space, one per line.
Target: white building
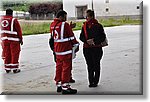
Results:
77 8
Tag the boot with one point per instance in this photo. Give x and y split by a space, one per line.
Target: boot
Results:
72 80
7 71
16 70
59 88
66 89
69 91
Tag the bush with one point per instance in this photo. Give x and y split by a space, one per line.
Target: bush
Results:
45 8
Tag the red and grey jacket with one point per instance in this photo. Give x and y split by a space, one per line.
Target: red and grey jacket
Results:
64 39
92 30
10 29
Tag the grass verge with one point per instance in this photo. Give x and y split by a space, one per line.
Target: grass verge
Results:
29 28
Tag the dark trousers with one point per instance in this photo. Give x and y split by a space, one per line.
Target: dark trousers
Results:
54 56
93 57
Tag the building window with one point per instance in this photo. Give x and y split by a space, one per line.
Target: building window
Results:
138 7
80 11
107 1
107 9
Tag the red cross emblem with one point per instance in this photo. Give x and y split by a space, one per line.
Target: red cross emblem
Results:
4 23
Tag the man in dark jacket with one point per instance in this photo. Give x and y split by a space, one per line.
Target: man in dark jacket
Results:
92 35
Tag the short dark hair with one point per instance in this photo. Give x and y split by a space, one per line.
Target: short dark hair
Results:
61 13
91 13
9 12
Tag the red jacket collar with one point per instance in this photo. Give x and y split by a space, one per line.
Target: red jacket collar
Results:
57 20
91 22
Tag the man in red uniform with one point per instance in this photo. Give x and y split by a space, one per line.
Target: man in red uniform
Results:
11 37
64 41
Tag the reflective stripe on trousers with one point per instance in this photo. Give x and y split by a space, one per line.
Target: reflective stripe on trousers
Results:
64 53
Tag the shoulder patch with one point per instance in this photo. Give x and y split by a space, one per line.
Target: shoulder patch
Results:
4 23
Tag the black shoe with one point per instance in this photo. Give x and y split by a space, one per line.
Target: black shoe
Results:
59 89
69 91
16 70
72 80
7 71
93 85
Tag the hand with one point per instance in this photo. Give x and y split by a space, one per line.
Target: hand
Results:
90 41
72 25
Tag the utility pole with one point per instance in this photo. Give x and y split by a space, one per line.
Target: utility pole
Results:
92 5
